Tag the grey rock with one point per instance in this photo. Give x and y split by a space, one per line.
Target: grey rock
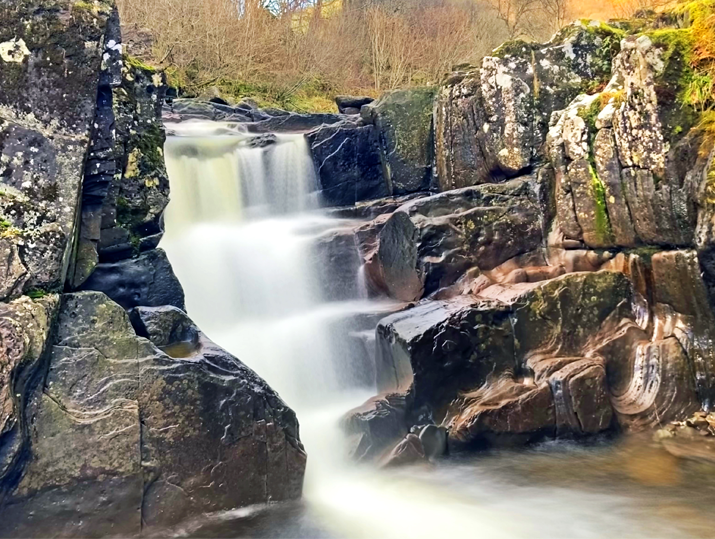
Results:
127 438
146 281
351 103
347 160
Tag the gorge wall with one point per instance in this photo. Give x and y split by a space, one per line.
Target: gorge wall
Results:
560 281
545 220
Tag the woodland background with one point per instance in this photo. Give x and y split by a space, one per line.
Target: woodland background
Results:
299 54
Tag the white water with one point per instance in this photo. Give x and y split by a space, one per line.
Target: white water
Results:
239 232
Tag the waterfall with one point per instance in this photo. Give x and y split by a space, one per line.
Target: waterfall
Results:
241 233
242 230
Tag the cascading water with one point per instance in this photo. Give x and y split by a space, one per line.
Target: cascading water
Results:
241 233
241 240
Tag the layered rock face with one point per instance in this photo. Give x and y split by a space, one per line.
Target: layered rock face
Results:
111 422
560 285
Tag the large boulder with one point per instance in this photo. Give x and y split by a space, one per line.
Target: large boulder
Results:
447 234
347 160
403 119
570 355
126 437
50 59
629 169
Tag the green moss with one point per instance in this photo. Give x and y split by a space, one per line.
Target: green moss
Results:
36 293
136 63
601 219
150 144
408 114
517 47
590 115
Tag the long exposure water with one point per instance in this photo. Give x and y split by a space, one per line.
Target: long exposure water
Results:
242 232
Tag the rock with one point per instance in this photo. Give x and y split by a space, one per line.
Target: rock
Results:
376 426
491 123
347 160
48 95
345 102
146 281
25 326
254 120
139 192
13 273
165 326
481 226
336 261
403 119
393 264
626 176
167 438
680 300
458 358
434 441
409 451
503 413
101 165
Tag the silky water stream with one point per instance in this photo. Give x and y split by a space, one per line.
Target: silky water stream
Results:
243 232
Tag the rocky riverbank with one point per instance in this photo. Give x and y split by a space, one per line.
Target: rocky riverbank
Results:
544 220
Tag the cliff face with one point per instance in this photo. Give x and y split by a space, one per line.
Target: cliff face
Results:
105 428
564 273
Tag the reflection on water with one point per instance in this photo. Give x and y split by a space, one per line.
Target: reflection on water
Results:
628 488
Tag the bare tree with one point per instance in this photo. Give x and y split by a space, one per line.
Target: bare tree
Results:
514 14
557 13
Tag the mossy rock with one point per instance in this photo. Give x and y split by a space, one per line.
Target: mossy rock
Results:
404 120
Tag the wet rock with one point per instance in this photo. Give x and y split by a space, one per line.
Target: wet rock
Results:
393 265
409 451
403 119
164 326
441 348
146 281
25 326
481 226
347 160
376 426
477 227
503 413
434 441
164 439
680 302
460 359
336 262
